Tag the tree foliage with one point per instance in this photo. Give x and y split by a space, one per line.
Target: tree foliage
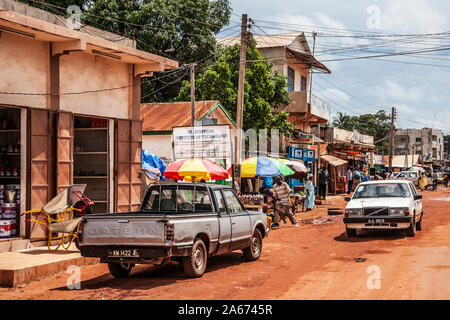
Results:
372 124
263 90
181 30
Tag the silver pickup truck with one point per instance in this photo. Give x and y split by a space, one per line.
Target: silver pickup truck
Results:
184 222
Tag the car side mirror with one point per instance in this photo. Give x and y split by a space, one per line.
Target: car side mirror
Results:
418 197
347 199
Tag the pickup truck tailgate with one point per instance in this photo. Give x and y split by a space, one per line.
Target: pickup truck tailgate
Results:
120 229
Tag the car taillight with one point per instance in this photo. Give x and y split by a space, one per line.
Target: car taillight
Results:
169 231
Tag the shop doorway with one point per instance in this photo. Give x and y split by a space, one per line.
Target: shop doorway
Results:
10 172
91 158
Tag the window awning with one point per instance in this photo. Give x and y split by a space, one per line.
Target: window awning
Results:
333 160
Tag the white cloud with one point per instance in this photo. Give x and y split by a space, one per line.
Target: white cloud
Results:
394 92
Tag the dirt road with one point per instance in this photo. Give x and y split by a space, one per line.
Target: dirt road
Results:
314 261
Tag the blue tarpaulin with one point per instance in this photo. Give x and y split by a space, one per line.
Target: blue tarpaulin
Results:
151 161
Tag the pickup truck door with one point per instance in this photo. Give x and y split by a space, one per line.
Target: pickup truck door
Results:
240 221
224 223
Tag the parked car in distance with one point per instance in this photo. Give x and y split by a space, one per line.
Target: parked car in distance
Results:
410 176
185 222
383 205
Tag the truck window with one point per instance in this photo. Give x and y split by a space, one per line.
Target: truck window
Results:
153 201
192 199
233 204
220 201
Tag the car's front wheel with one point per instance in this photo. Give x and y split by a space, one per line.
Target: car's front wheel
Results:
350 232
195 264
419 224
411 231
120 269
253 251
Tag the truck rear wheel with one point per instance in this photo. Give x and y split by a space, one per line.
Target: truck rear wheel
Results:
253 251
195 264
119 269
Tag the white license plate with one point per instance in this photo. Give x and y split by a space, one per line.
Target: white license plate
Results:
123 253
376 221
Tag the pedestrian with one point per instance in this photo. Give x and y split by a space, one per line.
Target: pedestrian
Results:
383 174
281 192
445 179
434 178
309 189
324 177
422 181
356 179
365 177
349 180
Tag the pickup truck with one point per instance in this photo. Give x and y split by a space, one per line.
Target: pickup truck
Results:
384 204
184 222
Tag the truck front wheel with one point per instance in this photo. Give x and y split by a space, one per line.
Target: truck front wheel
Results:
119 269
195 264
253 252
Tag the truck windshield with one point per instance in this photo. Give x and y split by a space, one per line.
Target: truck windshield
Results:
178 199
381 190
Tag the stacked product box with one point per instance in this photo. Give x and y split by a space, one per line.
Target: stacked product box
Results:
10 207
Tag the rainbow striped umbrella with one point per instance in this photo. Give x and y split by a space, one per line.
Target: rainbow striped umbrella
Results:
263 167
195 169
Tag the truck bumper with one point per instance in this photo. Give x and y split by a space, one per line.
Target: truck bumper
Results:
378 222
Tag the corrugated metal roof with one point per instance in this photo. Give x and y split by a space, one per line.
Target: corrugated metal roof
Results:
333 160
165 116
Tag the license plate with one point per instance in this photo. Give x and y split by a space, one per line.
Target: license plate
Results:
376 221
123 253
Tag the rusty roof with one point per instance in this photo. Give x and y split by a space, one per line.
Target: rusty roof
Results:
165 116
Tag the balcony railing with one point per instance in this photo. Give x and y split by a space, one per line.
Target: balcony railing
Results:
299 105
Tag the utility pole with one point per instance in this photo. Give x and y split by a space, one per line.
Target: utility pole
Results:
240 96
314 34
192 67
391 138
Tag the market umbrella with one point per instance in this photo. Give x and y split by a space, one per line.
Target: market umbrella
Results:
263 167
198 168
416 169
300 170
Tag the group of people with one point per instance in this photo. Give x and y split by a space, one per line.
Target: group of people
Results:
355 177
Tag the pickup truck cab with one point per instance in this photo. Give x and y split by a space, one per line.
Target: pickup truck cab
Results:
384 204
186 222
412 176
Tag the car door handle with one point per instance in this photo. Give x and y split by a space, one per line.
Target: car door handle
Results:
234 222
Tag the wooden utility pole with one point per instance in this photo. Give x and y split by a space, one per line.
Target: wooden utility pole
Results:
240 96
192 67
391 138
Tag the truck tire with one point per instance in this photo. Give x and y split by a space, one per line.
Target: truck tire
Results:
411 231
351 232
419 224
195 264
119 270
253 251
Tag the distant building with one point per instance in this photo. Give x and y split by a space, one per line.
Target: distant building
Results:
426 142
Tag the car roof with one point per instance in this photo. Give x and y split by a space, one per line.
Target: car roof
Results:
385 181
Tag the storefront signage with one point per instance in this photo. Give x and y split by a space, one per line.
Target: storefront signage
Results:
320 108
213 142
300 137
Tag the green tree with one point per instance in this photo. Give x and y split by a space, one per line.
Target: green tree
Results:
372 124
181 30
264 91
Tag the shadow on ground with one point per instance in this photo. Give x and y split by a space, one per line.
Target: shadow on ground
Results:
364 236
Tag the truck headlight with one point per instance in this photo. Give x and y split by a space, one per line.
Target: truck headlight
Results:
353 212
399 211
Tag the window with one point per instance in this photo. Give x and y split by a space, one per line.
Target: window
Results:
291 79
303 84
220 201
153 201
418 139
233 204
382 190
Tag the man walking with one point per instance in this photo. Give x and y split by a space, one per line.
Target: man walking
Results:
324 177
281 192
349 180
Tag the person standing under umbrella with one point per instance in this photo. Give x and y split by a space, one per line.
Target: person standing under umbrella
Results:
309 189
281 192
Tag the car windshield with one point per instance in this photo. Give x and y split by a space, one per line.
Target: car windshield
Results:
381 190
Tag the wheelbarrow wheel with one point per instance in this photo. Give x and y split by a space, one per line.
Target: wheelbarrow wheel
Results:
87 210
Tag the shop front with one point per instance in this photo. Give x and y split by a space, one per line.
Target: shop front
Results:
69 114
307 156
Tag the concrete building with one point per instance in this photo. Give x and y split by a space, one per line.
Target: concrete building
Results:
426 142
291 56
69 112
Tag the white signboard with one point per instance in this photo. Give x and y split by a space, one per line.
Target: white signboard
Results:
212 142
320 108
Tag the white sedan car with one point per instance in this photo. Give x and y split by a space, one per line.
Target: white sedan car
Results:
384 204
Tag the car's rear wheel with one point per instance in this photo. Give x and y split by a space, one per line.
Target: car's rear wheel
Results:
195 264
411 231
253 251
120 269
351 232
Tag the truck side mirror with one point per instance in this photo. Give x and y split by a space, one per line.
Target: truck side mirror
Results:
418 197
347 199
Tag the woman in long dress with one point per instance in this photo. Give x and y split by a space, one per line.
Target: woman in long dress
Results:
422 181
309 189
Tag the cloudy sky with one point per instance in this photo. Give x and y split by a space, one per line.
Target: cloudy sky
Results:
418 85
